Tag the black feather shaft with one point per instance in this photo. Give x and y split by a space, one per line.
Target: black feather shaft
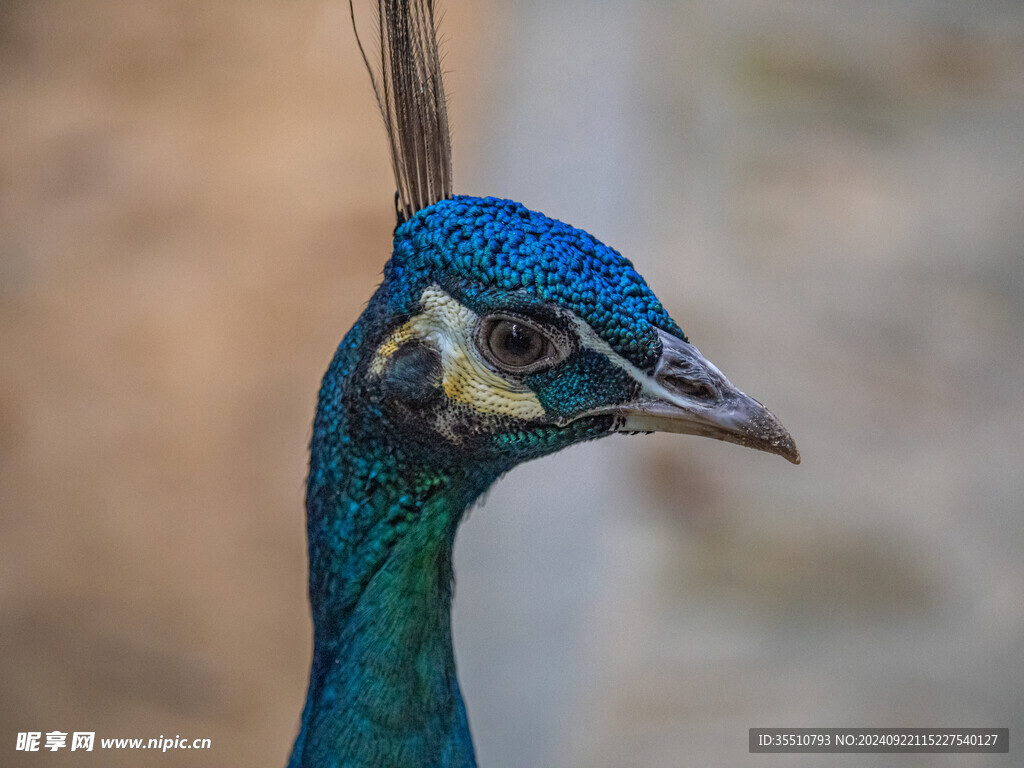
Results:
409 89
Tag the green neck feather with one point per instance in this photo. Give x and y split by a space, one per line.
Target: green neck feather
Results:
381 528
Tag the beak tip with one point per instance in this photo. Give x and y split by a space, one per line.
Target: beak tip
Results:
782 445
768 434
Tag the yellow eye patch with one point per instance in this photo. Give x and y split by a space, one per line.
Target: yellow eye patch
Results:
448 327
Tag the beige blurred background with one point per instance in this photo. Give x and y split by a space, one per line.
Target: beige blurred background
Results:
195 202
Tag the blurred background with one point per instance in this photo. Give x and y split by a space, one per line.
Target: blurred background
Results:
195 203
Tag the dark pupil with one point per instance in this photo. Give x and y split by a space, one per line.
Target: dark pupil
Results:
516 344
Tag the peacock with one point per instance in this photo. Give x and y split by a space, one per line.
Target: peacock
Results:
497 335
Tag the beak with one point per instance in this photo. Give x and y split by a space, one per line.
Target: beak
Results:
688 395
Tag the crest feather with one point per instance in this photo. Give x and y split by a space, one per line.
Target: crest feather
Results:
410 91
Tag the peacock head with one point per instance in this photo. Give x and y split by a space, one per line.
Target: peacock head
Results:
503 335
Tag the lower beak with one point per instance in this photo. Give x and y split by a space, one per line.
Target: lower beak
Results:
688 395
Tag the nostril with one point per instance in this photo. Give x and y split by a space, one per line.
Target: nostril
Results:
702 390
691 388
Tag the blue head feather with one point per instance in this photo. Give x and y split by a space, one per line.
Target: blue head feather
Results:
386 492
482 245
408 434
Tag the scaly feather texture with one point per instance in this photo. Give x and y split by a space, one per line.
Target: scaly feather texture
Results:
384 497
497 335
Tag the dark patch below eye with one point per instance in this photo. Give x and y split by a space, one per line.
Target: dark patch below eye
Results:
413 374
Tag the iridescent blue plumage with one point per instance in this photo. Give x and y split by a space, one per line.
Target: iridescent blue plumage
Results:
384 496
497 335
482 245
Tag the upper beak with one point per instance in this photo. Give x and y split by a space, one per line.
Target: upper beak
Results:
687 394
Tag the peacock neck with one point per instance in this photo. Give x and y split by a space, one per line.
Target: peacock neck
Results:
381 524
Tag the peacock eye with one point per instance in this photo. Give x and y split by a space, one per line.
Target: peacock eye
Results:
515 346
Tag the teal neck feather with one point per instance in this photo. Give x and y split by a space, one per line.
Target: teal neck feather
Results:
382 518
387 487
400 450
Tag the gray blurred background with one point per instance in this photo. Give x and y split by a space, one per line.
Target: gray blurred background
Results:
195 202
